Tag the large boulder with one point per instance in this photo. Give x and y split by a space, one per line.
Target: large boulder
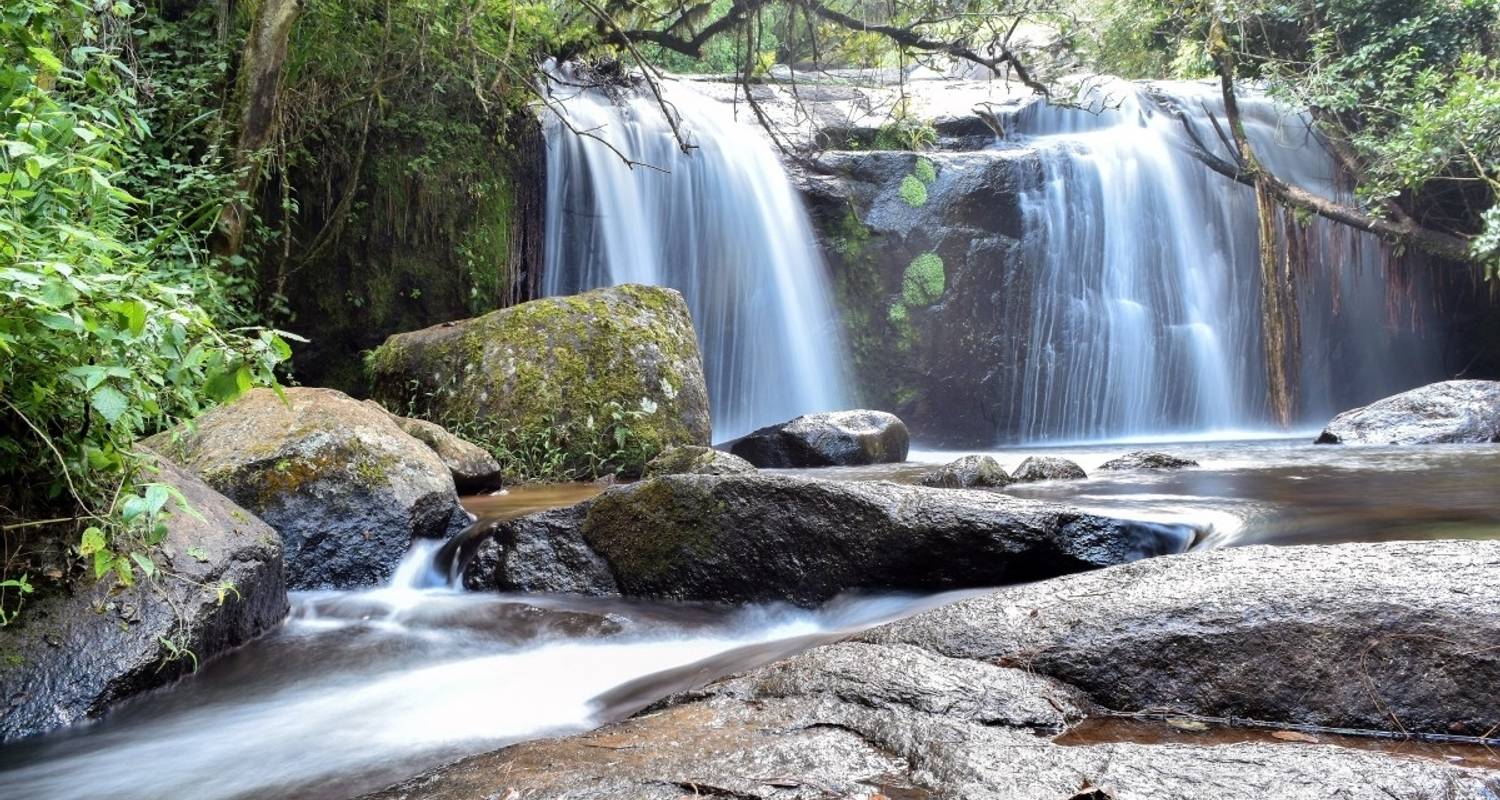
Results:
696 460
1047 468
830 439
969 472
751 538
70 656
472 467
1450 412
863 720
347 489
1396 636
626 353
541 552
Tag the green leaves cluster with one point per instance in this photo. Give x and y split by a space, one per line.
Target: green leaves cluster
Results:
102 335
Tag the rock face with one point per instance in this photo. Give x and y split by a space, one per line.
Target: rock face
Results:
969 472
542 552
832 439
1146 459
345 487
924 709
1451 412
472 467
1394 636
752 538
71 656
1047 468
694 460
559 360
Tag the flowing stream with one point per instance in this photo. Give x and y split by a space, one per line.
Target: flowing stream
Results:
721 223
1147 293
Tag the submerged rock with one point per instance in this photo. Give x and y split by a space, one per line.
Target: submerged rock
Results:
858 719
542 552
626 354
345 487
473 469
968 472
1450 412
1146 459
695 460
830 439
1395 636
70 656
753 538
1047 468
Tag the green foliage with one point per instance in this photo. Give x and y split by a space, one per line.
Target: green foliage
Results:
103 335
905 133
606 443
924 280
924 170
913 191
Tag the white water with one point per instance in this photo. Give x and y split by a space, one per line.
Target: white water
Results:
1146 280
722 224
361 689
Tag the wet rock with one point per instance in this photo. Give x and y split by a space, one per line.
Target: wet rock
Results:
752 538
542 552
1047 468
1146 459
694 460
831 439
978 472
626 350
473 469
345 487
1450 412
855 720
1392 636
70 656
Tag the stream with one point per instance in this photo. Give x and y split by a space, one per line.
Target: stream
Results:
360 689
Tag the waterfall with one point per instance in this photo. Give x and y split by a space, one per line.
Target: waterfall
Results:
720 223
1146 285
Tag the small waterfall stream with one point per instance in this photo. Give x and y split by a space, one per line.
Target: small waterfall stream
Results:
1146 307
721 223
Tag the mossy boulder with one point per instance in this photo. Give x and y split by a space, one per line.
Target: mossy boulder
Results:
346 488
763 537
830 439
1146 460
618 359
695 460
1047 468
219 584
969 472
472 467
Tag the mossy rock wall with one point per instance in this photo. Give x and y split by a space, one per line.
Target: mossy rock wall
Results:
573 362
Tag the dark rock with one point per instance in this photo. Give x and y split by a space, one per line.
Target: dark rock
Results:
1391 636
70 656
967 473
752 538
346 488
1146 459
696 460
558 360
1047 468
473 469
861 720
542 552
1450 412
830 439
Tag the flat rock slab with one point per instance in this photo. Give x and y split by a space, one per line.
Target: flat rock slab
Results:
1392 636
758 537
1450 412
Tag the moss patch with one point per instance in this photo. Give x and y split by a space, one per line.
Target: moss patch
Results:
924 280
913 191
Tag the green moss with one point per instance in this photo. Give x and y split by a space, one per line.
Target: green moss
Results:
924 170
924 280
647 529
896 314
913 191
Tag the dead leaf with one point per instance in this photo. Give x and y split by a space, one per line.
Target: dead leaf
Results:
1187 724
1295 736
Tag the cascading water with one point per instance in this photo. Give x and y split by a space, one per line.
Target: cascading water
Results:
720 223
1146 282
